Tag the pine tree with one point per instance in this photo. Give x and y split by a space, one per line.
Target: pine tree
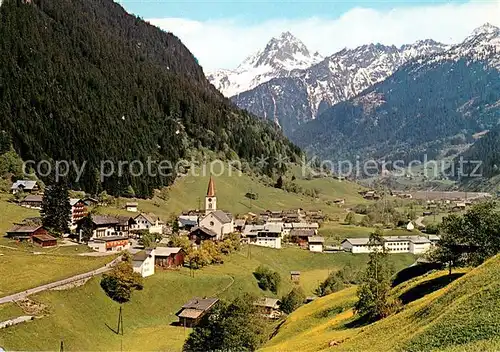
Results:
56 209
373 294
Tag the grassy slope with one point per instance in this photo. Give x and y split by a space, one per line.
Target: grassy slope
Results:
188 192
79 316
464 315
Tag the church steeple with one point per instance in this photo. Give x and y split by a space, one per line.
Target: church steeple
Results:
210 199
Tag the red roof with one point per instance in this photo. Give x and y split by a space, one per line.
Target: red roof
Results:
211 188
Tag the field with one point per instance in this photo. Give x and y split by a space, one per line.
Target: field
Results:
84 317
439 314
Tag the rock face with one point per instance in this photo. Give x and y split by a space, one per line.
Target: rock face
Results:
301 95
280 56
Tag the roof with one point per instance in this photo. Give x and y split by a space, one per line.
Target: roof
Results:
295 272
73 201
104 220
109 238
204 230
141 256
413 239
357 241
315 239
150 217
188 222
45 237
24 228
190 313
26 184
131 204
307 225
166 251
124 220
277 228
200 303
211 188
33 198
221 216
434 237
240 222
302 233
268 302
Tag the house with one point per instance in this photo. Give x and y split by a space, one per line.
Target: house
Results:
78 211
109 244
239 225
199 234
105 226
149 222
192 312
269 307
316 243
187 222
144 262
301 236
295 276
410 226
24 186
270 236
32 201
44 240
26 232
131 206
169 257
356 245
215 220
434 239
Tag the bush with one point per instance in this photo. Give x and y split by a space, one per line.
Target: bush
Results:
339 280
293 300
267 279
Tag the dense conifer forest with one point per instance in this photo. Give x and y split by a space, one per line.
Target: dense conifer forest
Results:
83 80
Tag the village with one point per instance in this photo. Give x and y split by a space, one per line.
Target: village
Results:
107 234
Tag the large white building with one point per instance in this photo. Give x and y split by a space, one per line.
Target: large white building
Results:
149 222
144 262
268 235
394 244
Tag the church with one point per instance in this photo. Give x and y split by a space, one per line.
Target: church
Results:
215 223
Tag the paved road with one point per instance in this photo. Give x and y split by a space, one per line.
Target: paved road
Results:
419 222
24 294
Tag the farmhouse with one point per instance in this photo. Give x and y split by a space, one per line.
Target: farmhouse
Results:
169 257
199 234
109 244
149 222
315 243
269 307
144 262
192 312
301 236
25 232
105 226
24 186
32 201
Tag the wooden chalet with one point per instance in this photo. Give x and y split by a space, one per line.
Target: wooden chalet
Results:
200 233
169 257
193 311
34 233
44 240
300 236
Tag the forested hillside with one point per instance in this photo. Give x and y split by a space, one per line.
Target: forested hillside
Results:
85 81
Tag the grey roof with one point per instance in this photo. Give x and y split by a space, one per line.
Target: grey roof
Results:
315 239
108 239
277 228
204 230
142 255
166 251
222 216
131 204
357 241
200 303
295 272
302 233
413 239
240 222
24 228
25 184
33 198
434 237
268 302
305 225
104 220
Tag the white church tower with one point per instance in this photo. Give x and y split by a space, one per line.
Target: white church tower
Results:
210 199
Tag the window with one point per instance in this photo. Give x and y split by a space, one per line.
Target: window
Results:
211 223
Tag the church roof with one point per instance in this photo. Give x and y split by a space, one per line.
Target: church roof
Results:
211 188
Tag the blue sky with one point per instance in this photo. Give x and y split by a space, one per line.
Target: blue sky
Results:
221 34
258 10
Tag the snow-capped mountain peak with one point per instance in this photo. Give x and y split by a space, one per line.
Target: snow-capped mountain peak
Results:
485 29
281 55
